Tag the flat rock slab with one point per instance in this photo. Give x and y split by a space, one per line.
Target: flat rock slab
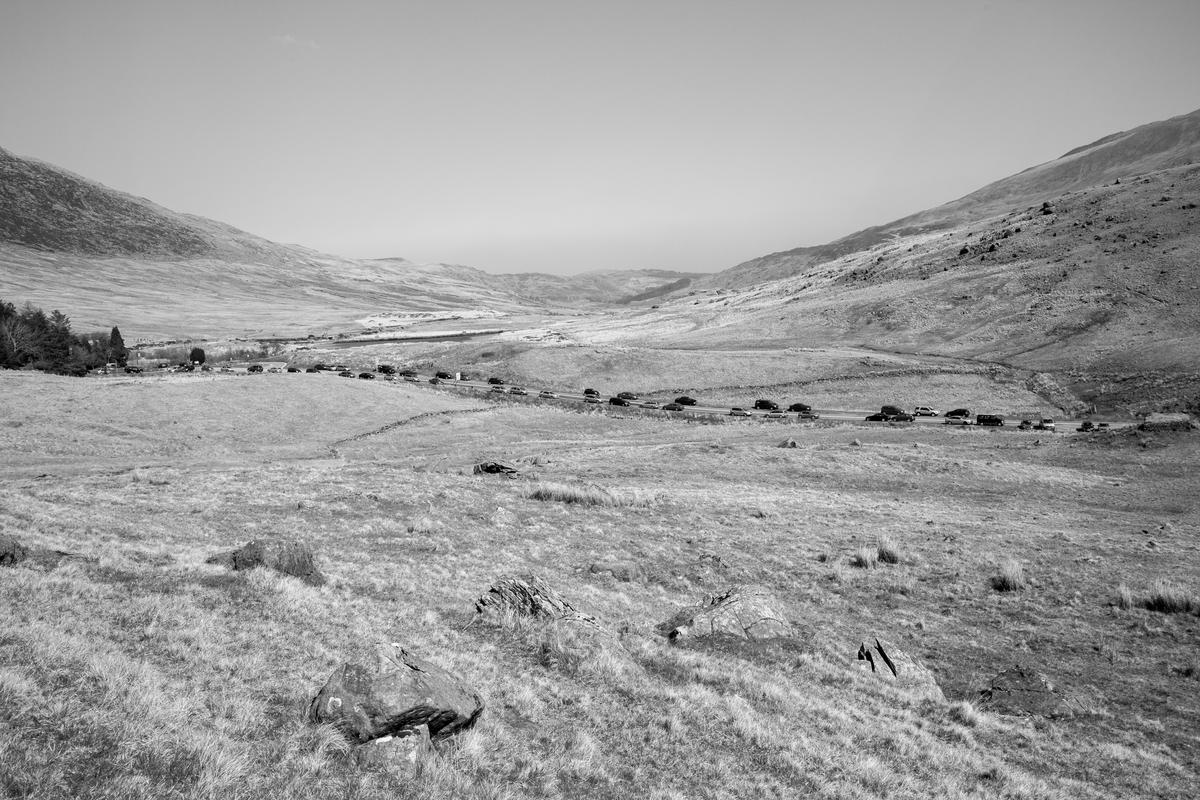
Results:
400 695
1022 691
493 468
286 556
748 612
890 663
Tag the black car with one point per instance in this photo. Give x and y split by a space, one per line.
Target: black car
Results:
878 418
800 407
1086 426
685 401
989 420
386 369
133 370
319 366
446 376
254 368
766 405
673 407
590 393
958 413
289 369
808 415
495 381
618 400
903 416
366 376
312 369
344 373
435 380
407 373
627 396
891 411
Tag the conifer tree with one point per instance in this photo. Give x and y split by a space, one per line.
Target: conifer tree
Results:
116 347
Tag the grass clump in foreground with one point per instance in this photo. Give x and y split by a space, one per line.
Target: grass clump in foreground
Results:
1010 578
1171 598
586 495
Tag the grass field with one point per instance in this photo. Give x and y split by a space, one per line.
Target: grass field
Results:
137 670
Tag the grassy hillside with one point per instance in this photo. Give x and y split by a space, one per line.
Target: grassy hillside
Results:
137 670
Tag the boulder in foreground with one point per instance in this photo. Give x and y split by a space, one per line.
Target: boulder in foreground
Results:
747 612
1022 691
529 596
400 695
11 550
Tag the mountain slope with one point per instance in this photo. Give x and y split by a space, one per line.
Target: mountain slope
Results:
1148 148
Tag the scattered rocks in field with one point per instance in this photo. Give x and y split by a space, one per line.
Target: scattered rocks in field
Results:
11 550
287 556
748 612
1023 691
494 468
529 596
624 571
891 663
789 442
399 696
856 443
1167 422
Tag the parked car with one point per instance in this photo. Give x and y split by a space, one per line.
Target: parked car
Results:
495 381
925 411
498 390
590 393
673 407
546 394
446 376
766 405
627 396
1045 424
344 373
959 413
903 416
435 380
1101 426
339 368
684 400
1087 426
591 398
652 404
272 369
799 407
386 369
410 378
737 411
1025 425
133 370
254 368
311 369
989 420
956 420
289 369
808 415
776 414
878 417
891 411
618 401
517 390
367 376
407 373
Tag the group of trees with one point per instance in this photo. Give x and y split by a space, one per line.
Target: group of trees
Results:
31 338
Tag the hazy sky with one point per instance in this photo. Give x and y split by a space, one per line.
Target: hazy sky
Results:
561 136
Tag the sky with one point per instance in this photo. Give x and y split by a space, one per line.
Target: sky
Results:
562 136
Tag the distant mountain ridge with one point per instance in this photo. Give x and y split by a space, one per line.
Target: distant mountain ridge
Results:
1155 146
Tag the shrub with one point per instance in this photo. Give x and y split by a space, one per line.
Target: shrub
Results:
1171 598
1010 578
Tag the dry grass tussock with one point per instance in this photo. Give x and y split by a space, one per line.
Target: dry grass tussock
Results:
1010 577
591 495
1169 597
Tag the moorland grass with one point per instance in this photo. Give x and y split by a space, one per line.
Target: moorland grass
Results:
1010 577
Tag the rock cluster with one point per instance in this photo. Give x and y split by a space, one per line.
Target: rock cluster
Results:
1021 691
